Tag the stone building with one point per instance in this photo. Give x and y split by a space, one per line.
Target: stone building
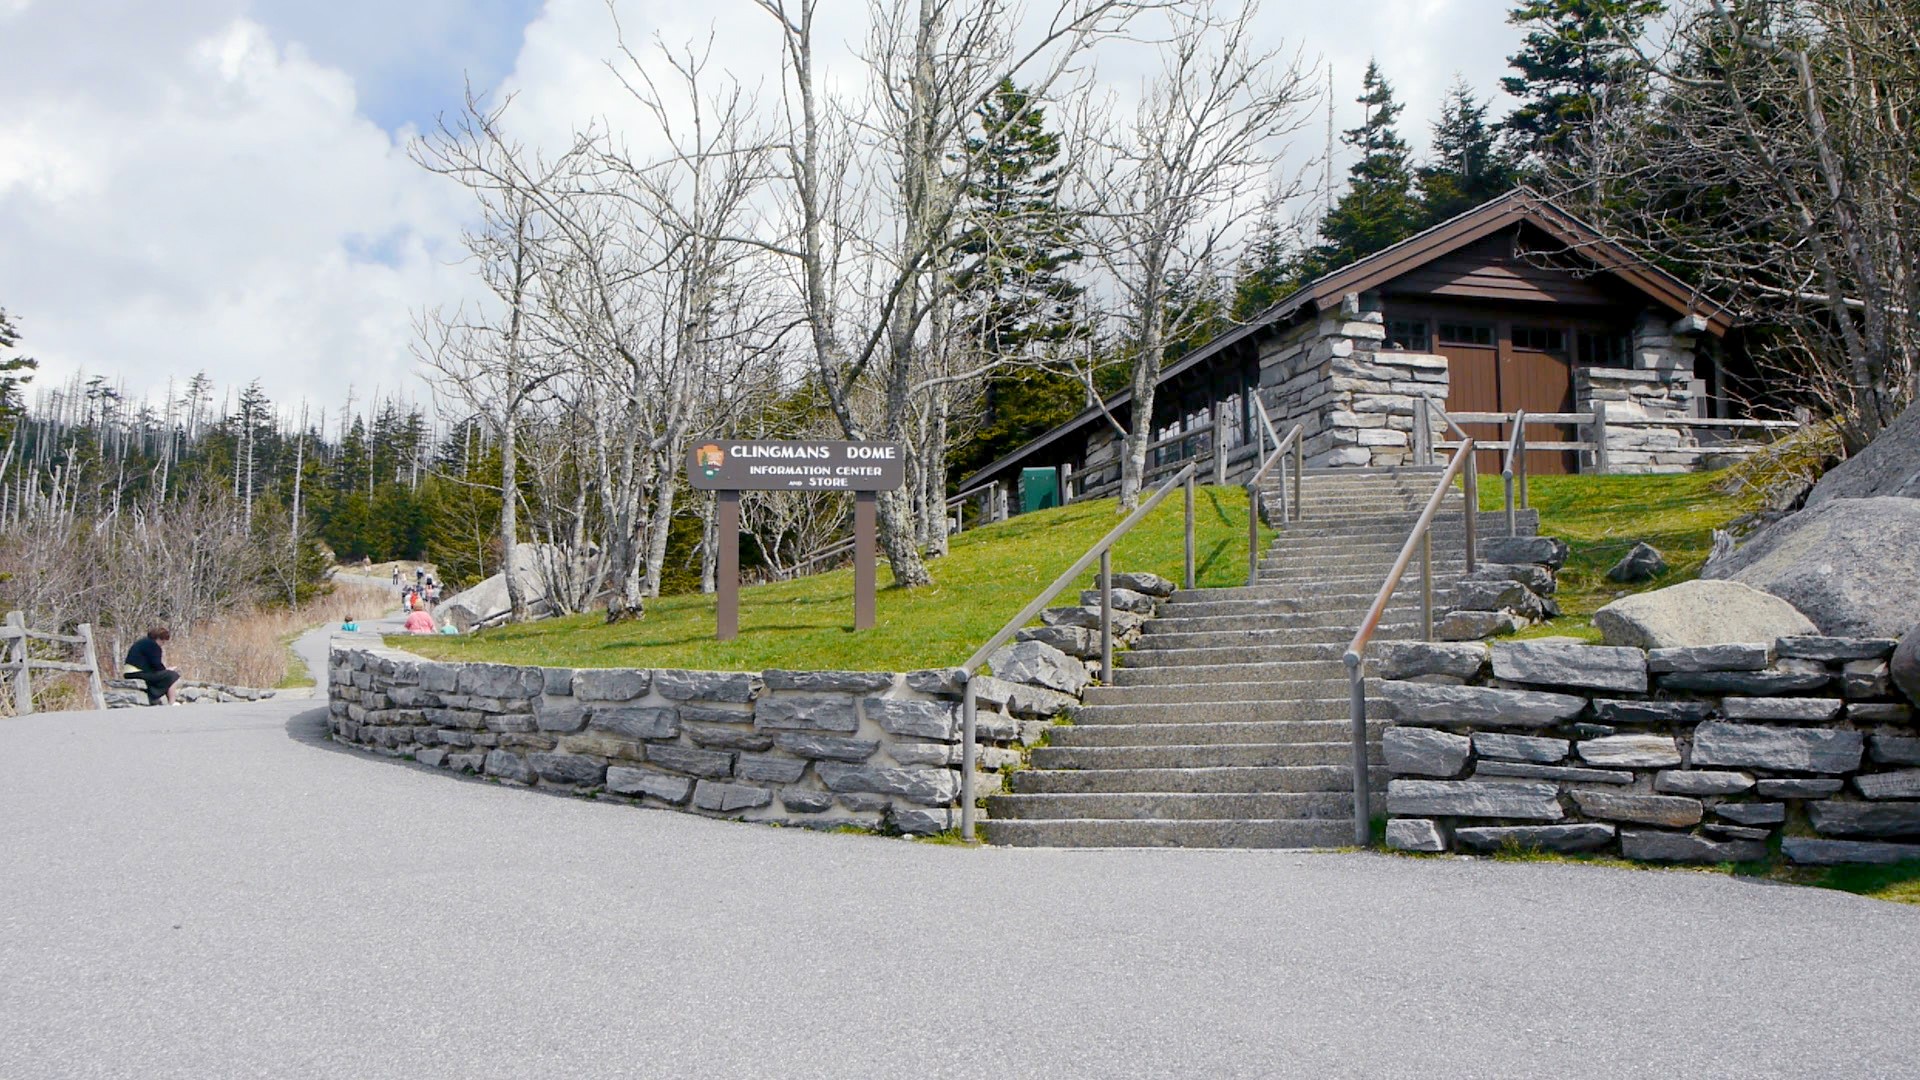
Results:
1513 305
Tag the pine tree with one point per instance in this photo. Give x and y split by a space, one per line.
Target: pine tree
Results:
1271 268
1468 165
15 372
1379 207
1575 54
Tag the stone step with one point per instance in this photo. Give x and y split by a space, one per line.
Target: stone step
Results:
1211 733
1194 693
1297 710
1192 756
1286 672
1400 611
1144 655
1174 806
1348 600
1187 834
1289 594
1157 638
1226 779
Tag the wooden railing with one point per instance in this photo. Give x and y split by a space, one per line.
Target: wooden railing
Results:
1102 550
1289 507
16 658
1516 454
1596 421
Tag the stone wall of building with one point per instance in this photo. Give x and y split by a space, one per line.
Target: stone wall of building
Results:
1706 754
1356 399
814 748
1659 385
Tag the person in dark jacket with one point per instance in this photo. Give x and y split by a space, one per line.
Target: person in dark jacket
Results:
145 663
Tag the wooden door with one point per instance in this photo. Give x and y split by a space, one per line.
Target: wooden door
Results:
1538 377
1473 380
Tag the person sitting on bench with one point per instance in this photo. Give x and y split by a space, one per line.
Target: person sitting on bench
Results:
145 663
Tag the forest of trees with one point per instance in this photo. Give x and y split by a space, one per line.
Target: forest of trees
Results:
962 252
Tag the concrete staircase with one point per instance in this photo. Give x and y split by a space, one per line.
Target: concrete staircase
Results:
1227 725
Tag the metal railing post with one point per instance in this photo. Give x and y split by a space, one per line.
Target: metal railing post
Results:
1470 477
1426 584
1357 695
1106 616
969 708
1253 534
1189 564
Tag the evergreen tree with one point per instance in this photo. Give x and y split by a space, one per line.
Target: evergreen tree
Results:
1574 55
15 372
1468 165
1270 269
1379 207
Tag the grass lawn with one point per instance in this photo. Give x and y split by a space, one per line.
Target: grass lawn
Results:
989 576
1601 517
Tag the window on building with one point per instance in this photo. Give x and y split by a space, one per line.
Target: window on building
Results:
1540 338
1465 334
1408 334
1600 348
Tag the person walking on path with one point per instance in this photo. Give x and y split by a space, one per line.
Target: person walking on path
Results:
146 663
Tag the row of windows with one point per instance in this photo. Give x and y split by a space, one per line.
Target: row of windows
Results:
1593 347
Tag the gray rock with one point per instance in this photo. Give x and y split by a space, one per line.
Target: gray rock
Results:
1872 820
1894 749
1581 836
1038 701
598 684
1630 751
1477 625
500 681
1668 810
1785 677
1123 622
1702 782
929 787
1812 709
556 682
706 685
728 737
1807 851
1415 834
1472 595
1865 679
1904 667
1650 846
1553 663
805 802
1752 813
937 680
827 747
865 802
568 768
1538 579
564 716
768 768
814 712
1889 465
1643 563
1123 600
923 820
623 780
1679 713
1424 752
1072 640
1545 550
1735 832
916 753
1519 747
1150 584
1568 773
636 721
1751 746
1852 565
1410 659
1831 649
707 763
467 763
511 723
1420 703
845 681
715 714
1467 798
728 798
508 766
1879 712
1039 664
1747 656
1699 613
433 758
917 719
1798 788
1901 784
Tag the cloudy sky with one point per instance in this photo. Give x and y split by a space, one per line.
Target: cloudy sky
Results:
223 185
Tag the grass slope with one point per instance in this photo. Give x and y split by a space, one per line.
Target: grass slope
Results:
807 623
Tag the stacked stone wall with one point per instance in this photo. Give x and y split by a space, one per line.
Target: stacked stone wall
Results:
1358 401
1722 753
1659 386
814 748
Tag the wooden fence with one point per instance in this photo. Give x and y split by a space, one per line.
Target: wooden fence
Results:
18 662
1595 422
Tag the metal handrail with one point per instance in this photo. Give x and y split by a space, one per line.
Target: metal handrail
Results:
1516 449
1101 550
1355 658
1288 511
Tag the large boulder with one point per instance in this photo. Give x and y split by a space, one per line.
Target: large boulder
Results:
1851 565
1889 465
1905 666
1699 613
1039 664
538 568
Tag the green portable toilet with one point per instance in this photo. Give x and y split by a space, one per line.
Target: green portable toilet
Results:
1039 489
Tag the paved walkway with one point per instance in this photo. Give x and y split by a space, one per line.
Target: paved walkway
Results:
210 891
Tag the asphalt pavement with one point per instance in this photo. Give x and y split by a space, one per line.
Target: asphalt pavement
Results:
213 891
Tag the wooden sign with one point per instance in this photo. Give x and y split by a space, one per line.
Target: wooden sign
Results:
730 466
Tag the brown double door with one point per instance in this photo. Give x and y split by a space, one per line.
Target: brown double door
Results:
1489 371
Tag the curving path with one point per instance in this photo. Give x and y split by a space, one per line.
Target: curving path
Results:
210 891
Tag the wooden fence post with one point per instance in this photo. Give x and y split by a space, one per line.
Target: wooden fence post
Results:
22 672
1600 437
93 668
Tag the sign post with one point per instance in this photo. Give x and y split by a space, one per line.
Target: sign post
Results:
730 466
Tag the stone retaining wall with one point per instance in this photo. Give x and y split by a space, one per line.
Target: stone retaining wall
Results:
1717 753
813 748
